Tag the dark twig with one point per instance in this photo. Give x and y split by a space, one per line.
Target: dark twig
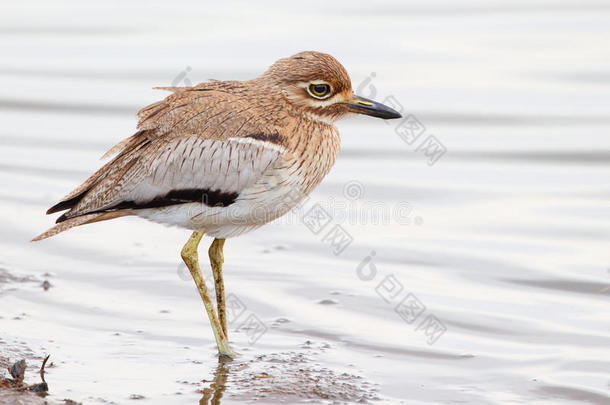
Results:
44 363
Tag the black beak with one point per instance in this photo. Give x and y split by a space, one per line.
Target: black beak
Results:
361 105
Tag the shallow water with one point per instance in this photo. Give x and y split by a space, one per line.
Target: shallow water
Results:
498 251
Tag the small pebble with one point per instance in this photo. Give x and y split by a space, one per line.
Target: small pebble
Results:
328 302
136 396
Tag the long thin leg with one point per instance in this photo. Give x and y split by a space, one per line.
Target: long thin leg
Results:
216 261
191 259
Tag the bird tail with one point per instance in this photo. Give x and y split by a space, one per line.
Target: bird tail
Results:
80 220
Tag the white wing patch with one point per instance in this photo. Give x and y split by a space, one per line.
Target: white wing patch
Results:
225 166
257 142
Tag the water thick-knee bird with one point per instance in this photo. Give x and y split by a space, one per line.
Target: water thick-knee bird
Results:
222 158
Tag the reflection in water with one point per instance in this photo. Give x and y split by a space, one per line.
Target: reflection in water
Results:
213 394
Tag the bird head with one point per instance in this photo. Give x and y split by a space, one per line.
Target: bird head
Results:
317 85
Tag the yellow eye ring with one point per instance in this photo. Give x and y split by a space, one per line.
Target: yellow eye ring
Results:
319 90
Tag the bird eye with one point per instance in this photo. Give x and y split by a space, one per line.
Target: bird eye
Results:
319 91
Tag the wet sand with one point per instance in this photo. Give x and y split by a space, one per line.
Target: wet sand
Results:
481 277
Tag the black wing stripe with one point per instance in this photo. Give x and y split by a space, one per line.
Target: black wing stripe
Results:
211 198
272 138
64 205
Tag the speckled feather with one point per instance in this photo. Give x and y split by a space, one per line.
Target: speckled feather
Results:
260 140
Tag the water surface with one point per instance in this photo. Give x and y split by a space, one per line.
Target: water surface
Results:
482 278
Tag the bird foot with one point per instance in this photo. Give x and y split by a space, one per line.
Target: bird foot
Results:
227 354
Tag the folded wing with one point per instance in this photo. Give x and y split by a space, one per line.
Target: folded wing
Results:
175 171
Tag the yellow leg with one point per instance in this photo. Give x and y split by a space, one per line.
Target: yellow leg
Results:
191 259
216 261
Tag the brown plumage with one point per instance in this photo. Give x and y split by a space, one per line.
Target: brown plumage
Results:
224 157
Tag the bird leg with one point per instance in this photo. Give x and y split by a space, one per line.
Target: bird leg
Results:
191 259
216 261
